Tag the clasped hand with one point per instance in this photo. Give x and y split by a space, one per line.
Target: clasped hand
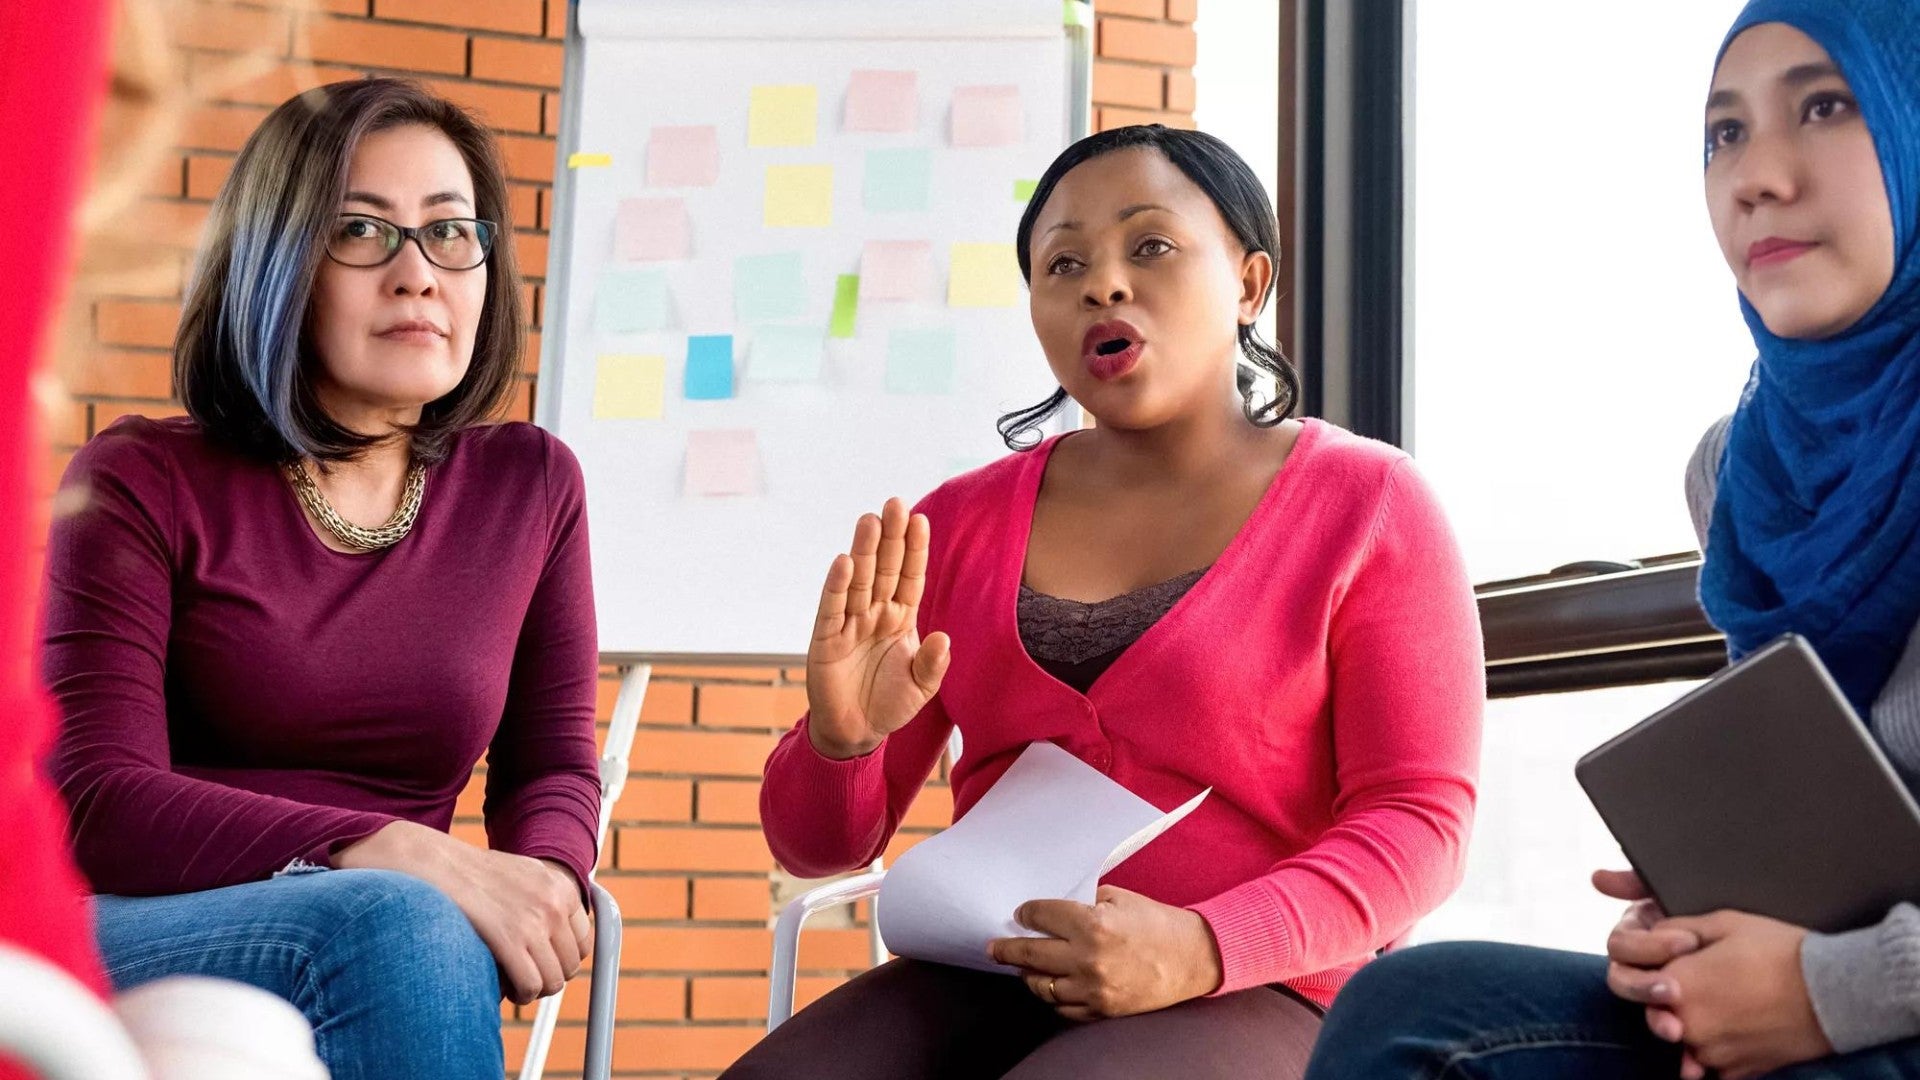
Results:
1726 985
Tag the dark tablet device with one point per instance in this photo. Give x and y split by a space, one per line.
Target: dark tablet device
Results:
1763 792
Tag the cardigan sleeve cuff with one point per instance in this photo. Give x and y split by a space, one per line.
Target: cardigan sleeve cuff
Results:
1255 943
821 815
826 782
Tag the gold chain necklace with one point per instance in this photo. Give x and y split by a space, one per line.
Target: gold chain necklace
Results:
354 536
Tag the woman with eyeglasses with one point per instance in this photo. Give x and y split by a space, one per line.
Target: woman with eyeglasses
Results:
282 629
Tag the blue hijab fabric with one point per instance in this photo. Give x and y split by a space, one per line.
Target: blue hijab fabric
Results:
1815 527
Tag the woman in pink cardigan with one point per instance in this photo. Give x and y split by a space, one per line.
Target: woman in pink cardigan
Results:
1197 592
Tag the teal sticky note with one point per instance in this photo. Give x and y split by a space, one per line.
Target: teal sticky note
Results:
1023 190
846 302
920 361
709 367
769 287
898 179
786 354
630 302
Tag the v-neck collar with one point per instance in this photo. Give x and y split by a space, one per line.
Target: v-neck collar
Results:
1020 534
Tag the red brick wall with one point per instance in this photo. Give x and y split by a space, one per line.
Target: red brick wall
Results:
685 857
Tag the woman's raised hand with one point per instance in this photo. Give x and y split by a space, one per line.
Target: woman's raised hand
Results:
868 672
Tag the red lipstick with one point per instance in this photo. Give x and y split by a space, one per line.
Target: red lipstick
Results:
1111 348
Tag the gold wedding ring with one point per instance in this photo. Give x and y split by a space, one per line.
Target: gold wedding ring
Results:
1052 998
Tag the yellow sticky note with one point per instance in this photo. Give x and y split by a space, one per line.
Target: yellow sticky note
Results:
629 387
801 197
586 161
983 275
783 116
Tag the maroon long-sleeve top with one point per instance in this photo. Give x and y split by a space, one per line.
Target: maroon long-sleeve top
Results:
235 695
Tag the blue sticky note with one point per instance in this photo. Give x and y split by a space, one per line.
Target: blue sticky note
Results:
769 287
920 361
709 367
630 302
897 180
786 354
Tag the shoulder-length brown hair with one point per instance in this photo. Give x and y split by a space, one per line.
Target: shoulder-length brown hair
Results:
243 360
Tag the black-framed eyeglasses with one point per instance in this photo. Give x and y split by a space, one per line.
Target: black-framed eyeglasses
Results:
363 240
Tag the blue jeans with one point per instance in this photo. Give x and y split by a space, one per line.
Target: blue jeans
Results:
1483 1011
392 977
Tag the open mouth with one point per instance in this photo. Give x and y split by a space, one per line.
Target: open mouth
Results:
1110 349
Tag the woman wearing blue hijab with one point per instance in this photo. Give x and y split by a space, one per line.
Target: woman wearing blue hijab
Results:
1808 502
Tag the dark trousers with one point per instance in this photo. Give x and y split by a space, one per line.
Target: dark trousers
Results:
907 1020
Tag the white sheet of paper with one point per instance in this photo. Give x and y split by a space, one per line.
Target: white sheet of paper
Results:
1049 829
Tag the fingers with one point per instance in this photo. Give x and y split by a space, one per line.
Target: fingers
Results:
930 663
1621 884
1649 948
1058 918
892 552
1690 1067
833 599
1066 993
913 566
1640 915
1706 929
552 970
866 553
519 976
1641 985
582 932
1046 956
1665 1024
566 950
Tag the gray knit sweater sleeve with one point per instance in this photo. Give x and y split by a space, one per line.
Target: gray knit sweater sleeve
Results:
1865 984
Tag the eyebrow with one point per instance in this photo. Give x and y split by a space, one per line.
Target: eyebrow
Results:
1136 208
438 198
1796 76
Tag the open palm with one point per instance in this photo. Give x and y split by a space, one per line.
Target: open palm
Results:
868 672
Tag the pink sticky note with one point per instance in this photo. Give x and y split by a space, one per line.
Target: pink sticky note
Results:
987 116
896 269
882 101
723 463
652 230
683 157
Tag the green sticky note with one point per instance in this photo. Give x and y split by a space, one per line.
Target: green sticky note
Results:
920 361
897 180
1023 190
846 301
769 288
799 196
786 354
630 302
629 387
983 275
783 116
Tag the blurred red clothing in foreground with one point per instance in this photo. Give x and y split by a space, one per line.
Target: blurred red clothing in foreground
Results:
53 70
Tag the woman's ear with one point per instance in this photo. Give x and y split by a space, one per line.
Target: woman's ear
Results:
1256 274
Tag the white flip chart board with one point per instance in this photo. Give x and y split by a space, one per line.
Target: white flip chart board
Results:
781 285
